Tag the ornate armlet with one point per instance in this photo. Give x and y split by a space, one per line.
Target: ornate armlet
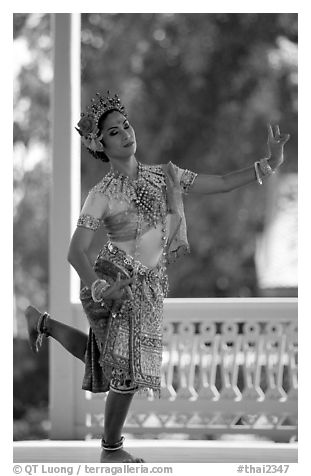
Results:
87 221
187 180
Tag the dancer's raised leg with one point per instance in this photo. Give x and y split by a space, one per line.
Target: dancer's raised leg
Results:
70 338
117 404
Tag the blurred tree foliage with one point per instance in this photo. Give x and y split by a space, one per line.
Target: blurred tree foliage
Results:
33 74
200 89
32 164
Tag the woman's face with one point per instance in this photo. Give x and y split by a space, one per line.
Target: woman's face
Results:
118 136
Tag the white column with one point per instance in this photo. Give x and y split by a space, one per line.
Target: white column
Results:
65 204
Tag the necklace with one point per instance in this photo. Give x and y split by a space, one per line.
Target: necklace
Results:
145 192
152 208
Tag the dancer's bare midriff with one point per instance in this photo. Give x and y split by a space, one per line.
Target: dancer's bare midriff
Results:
150 246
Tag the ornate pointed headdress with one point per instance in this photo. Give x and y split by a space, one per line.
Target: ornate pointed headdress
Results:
88 124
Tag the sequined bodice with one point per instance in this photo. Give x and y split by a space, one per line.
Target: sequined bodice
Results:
122 226
137 208
145 213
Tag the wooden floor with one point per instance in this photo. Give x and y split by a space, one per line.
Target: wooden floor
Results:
158 451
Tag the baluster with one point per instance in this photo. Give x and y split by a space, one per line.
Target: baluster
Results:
186 349
292 351
229 361
169 356
275 347
208 358
252 346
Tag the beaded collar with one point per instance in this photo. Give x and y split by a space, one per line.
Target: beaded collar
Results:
145 192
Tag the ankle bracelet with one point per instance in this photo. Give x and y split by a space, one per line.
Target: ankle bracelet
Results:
42 329
114 446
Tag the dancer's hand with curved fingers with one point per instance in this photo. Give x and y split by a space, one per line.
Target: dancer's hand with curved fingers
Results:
118 288
276 142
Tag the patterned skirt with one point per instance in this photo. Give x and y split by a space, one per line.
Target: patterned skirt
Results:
124 349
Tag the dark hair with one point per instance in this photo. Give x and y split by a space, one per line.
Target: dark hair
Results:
98 155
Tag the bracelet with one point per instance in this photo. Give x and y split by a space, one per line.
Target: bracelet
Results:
257 172
98 288
114 446
42 329
265 167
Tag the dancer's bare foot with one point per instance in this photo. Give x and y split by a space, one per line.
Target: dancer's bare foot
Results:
118 456
32 316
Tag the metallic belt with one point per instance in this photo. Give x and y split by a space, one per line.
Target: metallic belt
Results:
135 264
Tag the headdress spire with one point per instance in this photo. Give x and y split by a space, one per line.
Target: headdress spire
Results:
88 124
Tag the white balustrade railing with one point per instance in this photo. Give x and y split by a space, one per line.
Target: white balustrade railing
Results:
229 366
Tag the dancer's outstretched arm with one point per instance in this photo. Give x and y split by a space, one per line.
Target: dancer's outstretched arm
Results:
225 183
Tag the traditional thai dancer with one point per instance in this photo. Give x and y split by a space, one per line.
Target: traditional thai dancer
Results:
141 209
